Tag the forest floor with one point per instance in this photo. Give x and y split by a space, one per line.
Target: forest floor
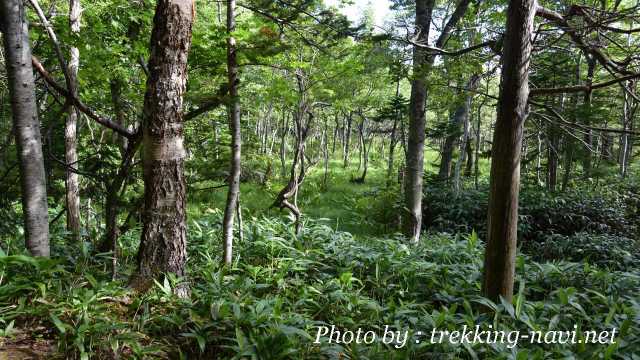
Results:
347 268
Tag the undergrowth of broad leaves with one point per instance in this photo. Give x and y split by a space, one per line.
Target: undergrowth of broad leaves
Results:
282 287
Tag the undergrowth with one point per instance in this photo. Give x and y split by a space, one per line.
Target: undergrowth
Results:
282 287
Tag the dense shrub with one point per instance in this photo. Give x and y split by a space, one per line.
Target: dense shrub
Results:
575 211
611 251
541 212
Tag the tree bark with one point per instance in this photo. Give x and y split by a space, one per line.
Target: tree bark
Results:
470 159
347 140
588 136
364 146
392 147
234 128
335 134
26 125
422 63
472 84
325 154
70 130
476 170
283 144
415 146
500 254
459 117
553 144
163 244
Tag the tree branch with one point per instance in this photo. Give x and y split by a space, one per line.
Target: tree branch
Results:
79 104
217 100
581 88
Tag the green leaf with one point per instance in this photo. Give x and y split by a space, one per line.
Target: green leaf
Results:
59 324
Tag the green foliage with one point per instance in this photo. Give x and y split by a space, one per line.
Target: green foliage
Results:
282 286
605 250
609 209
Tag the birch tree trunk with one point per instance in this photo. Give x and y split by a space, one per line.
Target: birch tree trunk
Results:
500 254
26 125
70 129
234 127
163 244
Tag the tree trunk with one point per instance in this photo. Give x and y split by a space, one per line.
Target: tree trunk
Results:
466 109
283 143
115 189
476 169
415 147
26 126
362 129
234 128
163 244
70 130
392 147
347 140
459 117
470 159
552 157
325 153
287 197
335 134
446 151
588 136
628 113
119 110
500 254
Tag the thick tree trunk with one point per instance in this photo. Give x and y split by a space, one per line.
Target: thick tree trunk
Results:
234 128
414 153
500 254
163 244
70 130
415 146
26 125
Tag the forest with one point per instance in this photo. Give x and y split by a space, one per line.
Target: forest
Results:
319 179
